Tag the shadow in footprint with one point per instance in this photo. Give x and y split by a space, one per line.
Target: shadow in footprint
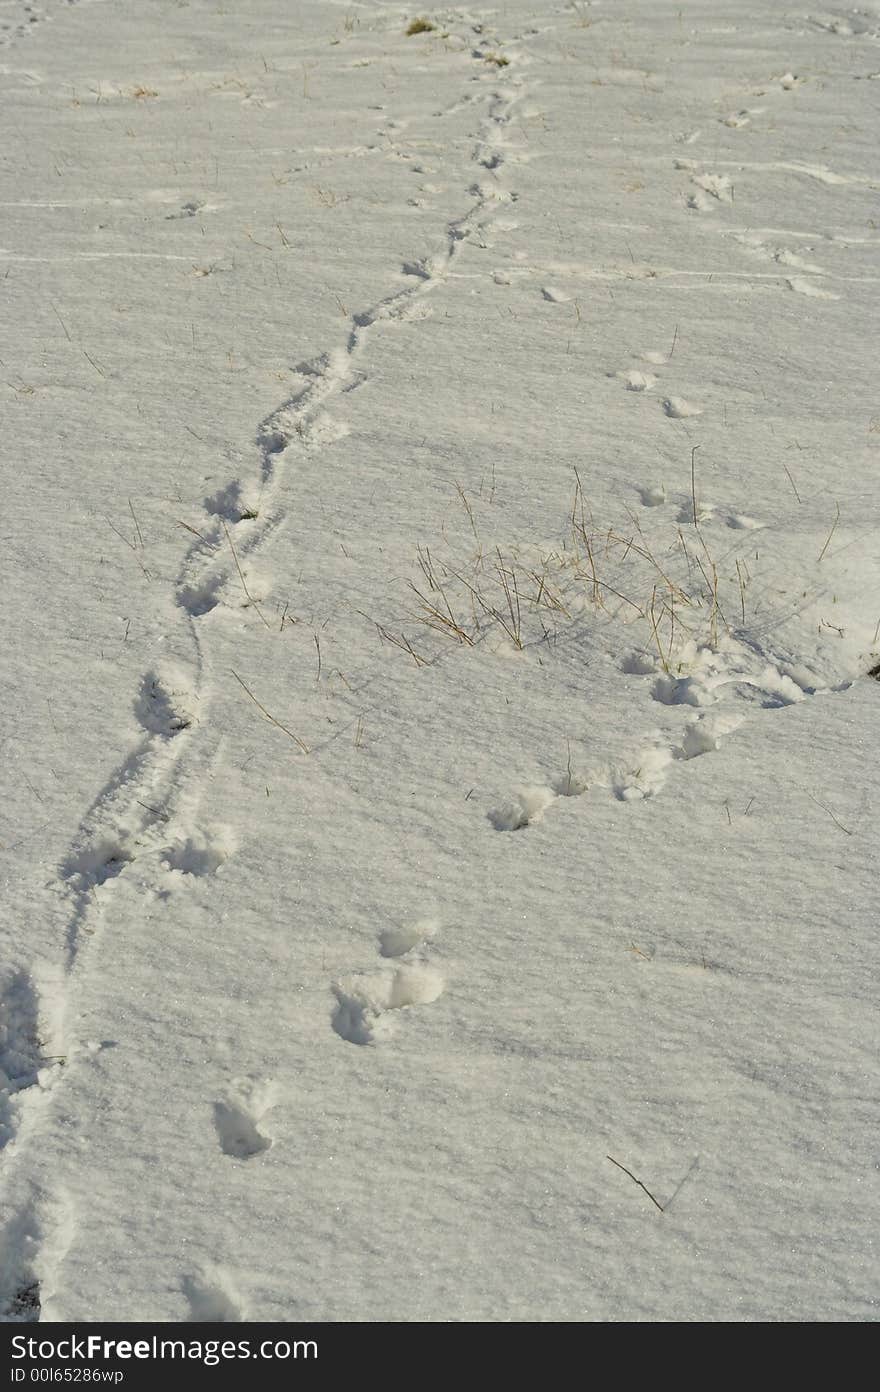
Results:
24 1306
101 862
636 664
354 1018
199 854
210 1303
200 599
163 707
237 1132
403 937
362 1011
20 1053
238 1116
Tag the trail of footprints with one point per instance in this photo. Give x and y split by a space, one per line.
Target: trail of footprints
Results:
139 814
145 810
643 380
719 683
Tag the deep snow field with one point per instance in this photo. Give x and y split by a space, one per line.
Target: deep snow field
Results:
441 549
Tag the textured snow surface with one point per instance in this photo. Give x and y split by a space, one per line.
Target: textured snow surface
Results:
441 550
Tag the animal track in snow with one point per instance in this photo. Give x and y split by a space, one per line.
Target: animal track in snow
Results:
638 664
852 23
705 512
201 853
165 705
23 1305
783 256
21 1057
678 408
23 21
652 495
636 381
737 119
238 1117
820 172
200 597
365 1003
402 938
130 817
647 776
186 210
729 678
803 286
717 186
102 860
729 671
211 1299
527 806
555 295
699 202
34 1243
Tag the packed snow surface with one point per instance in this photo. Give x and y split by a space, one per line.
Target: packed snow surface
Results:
441 546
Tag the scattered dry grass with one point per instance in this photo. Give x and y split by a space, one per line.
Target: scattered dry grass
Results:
673 587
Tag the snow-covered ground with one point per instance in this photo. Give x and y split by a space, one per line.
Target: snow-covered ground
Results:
420 451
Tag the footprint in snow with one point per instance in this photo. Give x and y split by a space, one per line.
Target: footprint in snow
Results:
201 596
638 664
802 285
165 705
678 408
366 1004
201 853
211 1299
402 938
103 860
652 495
24 1305
636 381
239 1116
705 512
21 1054
717 186
186 210
526 807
